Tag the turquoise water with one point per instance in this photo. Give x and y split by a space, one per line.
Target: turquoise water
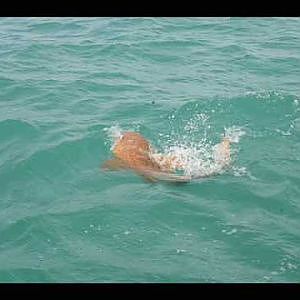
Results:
66 84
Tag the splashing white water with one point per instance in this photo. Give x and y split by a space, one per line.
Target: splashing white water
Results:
200 158
234 133
196 158
114 133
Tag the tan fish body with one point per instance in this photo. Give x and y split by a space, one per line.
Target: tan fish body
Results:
134 150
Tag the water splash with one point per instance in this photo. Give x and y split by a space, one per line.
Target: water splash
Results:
234 133
114 133
197 157
192 146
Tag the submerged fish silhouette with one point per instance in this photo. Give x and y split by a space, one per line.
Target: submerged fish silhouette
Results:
133 151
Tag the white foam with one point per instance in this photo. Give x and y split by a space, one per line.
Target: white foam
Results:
234 133
114 133
234 230
240 171
200 158
178 251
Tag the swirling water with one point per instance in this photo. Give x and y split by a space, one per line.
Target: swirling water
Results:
66 84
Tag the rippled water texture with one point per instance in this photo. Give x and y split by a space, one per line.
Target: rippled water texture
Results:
67 83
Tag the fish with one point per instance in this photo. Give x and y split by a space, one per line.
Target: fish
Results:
134 152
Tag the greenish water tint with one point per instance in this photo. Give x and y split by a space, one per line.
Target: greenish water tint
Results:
65 81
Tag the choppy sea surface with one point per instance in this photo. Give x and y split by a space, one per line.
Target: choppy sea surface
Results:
68 85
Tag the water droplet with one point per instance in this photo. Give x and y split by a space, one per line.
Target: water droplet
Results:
41 258
232 231
291 266
180 251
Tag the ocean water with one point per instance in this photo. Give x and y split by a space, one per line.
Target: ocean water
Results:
68 85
